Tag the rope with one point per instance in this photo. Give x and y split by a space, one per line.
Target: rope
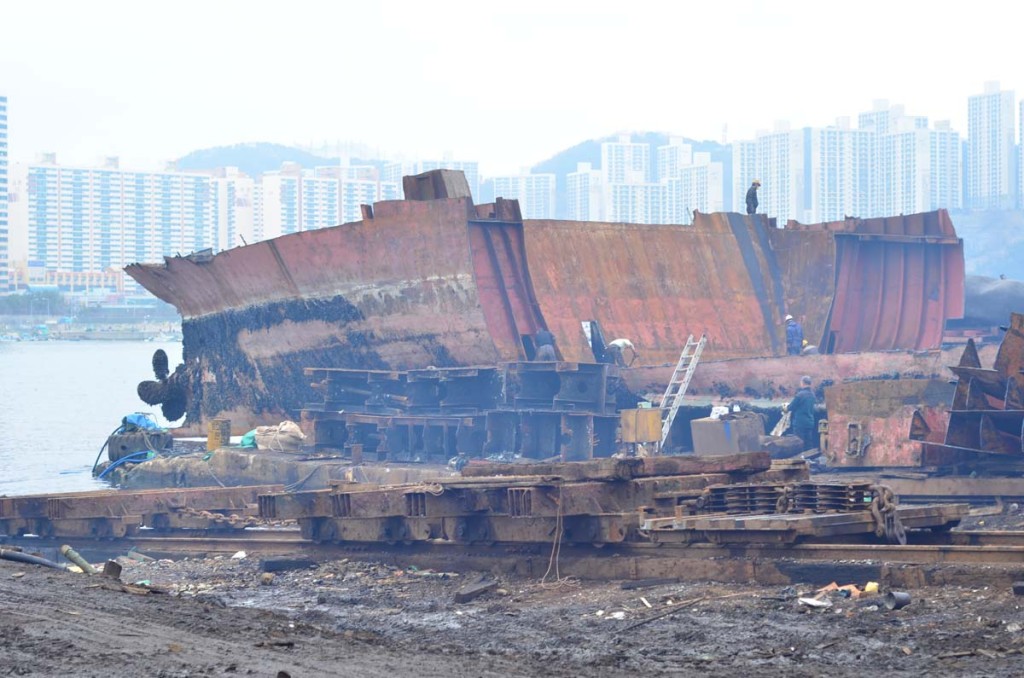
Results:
435 489
556 550
294 487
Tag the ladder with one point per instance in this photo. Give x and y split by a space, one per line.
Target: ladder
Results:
680 381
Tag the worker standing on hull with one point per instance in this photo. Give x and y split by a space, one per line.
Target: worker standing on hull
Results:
752 196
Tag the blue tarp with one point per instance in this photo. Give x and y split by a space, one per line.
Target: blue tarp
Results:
141 421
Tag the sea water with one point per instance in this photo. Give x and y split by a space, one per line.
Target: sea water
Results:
59 400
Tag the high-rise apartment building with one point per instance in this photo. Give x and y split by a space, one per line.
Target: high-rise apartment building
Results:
85 224
673 156
280 201
784 168
535 193
360 185
625 162
744 170
319 197
635 203
884 118
840 172
4 220
585 194
234 199
698 186
919 170
991 171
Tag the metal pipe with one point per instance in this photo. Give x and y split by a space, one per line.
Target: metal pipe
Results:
18 556
72 555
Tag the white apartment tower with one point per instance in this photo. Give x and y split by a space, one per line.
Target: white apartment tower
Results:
991 177
585 194
919 170
84 223
234 207
279 200
784 168
698 186
535 193
675 155
624 162
744 170
840 172
635 203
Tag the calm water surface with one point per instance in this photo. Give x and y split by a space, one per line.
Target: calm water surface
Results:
59 400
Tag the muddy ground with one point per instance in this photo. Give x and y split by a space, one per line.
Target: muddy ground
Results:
224 616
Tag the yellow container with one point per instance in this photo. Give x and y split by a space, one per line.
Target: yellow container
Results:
218 434
641 425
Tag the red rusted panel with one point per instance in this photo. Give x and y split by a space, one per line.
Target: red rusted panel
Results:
428 282
869 421
655 285
779 378
807 261
898 280
407 275
503 283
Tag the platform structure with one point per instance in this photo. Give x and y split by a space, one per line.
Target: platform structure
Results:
535 410
116 513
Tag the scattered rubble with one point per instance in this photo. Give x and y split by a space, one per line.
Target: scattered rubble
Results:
375 619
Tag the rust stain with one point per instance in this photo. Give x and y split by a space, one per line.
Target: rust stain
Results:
897 281
655 285
439 281
869 422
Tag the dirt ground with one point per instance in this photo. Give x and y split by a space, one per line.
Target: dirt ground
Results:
224 616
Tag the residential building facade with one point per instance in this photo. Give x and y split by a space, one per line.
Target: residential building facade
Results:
585 194
84 223
535 193
991 172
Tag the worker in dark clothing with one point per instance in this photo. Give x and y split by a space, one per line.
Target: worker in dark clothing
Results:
545 342
752 196
794 336
801 413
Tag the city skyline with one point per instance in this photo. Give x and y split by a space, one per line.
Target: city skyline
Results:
77 225
145 98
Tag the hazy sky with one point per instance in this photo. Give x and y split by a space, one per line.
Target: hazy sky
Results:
508 84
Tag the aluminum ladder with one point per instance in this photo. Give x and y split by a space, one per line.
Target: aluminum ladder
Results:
679 382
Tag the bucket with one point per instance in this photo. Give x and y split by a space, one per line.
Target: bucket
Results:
218 434
894 600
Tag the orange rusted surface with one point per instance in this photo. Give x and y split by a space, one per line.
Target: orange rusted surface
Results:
443 282
655 285
897 281
779 378
869 422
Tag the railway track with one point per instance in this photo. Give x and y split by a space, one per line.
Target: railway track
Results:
971 558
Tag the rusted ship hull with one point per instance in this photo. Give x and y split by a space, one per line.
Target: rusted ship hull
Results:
443 282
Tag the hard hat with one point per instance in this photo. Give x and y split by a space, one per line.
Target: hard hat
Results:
757 182
789 317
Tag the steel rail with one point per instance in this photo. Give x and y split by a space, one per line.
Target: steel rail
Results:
970 548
